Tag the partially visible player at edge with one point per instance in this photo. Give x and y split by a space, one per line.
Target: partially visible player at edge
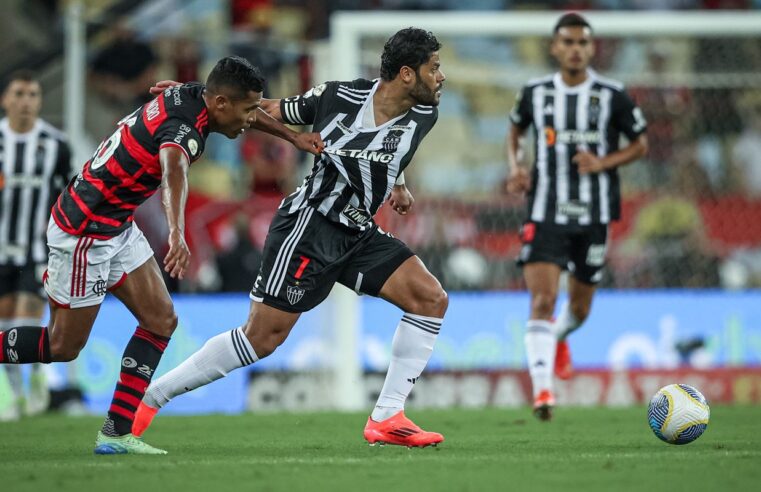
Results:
34 167
573 192
95 246
324 233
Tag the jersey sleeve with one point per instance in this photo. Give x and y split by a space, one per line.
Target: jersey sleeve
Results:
179 133
302 109
627 117
521 115
430 123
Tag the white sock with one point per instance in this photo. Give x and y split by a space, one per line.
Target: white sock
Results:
540 353
218 357
410 350
566 323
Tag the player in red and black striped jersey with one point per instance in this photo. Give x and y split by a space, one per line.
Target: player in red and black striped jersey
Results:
95 247
125 171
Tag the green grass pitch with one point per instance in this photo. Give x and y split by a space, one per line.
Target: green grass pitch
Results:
503 450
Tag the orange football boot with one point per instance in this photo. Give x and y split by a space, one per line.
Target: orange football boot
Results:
143 418
399 430
563 365
543 404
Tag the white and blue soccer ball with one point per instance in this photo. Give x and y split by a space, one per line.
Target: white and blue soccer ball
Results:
678 414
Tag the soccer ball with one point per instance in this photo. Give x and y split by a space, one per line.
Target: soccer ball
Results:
678 414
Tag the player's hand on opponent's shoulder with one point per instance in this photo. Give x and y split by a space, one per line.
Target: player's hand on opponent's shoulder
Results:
309 142
519 180
588 163
401 200
161 86
177 259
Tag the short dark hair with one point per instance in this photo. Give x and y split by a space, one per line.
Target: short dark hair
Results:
409 47
24 75
237 75
571 20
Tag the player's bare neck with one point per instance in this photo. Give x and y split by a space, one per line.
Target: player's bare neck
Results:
573 77
390 102
21 125
208 100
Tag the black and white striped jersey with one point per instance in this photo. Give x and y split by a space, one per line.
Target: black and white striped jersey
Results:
34 168
588 117
352 178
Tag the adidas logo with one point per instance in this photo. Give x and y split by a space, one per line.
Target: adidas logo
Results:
413 380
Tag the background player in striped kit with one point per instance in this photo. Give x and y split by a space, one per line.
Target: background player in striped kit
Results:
95 246
573 192
34 167
323 233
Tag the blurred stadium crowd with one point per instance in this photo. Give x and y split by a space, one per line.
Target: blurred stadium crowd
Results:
692 208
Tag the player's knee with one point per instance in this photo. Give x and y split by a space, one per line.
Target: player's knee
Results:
266 343
164 322
64 351
431 301
543 305
580 311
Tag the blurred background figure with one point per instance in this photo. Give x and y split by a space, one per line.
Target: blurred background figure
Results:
34 167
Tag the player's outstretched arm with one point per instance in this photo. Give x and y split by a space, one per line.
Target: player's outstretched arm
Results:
174 184
270 120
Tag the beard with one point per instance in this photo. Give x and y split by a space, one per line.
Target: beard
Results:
423 95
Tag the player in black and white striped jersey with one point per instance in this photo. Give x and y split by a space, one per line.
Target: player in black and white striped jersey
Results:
361 161
573 192
324 233
34 168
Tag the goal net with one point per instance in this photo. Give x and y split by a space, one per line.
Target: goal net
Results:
691 217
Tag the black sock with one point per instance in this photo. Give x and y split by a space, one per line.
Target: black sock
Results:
24 345
140 359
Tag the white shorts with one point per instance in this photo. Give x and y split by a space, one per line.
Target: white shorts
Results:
81 269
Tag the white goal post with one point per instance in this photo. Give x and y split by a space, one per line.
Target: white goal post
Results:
347 28
343 59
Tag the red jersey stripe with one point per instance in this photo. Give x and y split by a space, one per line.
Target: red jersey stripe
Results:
59 208
154 114
89 213
141 154
172 144
107 192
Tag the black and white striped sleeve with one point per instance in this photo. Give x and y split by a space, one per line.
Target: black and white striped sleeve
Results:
627 116
301 110
521 114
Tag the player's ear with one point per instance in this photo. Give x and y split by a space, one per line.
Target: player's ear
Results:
221 101
407 74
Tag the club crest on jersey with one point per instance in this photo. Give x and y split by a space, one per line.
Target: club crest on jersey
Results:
391 141
294 294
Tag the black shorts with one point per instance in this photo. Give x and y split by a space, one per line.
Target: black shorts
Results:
25 278
305 254
580 249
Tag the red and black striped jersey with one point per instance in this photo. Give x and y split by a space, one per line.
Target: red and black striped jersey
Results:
100 201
